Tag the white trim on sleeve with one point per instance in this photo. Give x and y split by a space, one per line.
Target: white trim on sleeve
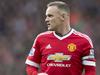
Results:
88 57
29 62
89 63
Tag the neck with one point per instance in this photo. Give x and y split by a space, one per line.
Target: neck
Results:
63 30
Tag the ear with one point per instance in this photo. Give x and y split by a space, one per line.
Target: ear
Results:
63 17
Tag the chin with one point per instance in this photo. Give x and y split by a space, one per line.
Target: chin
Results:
50 29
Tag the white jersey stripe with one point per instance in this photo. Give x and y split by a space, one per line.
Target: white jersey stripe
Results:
29 62
47 32
87 57
84 36
89 63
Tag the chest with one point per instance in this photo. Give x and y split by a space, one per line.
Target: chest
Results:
62 51
66 46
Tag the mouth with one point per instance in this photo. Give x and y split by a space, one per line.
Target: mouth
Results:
48 24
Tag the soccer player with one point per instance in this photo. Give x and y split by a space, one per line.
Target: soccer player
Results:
61 50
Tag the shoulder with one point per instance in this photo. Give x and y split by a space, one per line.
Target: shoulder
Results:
44 34
85 37
40 37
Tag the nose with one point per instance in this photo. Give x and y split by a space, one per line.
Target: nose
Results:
46 19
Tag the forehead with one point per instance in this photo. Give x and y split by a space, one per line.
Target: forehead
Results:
52 10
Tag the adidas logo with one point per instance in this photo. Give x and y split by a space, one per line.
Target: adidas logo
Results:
48 46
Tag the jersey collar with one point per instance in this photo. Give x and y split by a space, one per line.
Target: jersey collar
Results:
63 37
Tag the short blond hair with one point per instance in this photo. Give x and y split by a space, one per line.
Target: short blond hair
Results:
61 5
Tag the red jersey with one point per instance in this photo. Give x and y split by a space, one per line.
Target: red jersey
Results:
66 55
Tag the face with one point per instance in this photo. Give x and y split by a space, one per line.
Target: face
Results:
53 18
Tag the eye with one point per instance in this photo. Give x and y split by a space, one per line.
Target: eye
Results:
50 15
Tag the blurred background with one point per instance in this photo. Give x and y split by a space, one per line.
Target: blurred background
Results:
22 20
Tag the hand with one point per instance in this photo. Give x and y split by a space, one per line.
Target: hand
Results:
42 74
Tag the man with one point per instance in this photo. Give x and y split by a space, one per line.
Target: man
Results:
61 50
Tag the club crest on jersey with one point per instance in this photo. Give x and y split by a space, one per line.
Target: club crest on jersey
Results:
59 57
71 47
